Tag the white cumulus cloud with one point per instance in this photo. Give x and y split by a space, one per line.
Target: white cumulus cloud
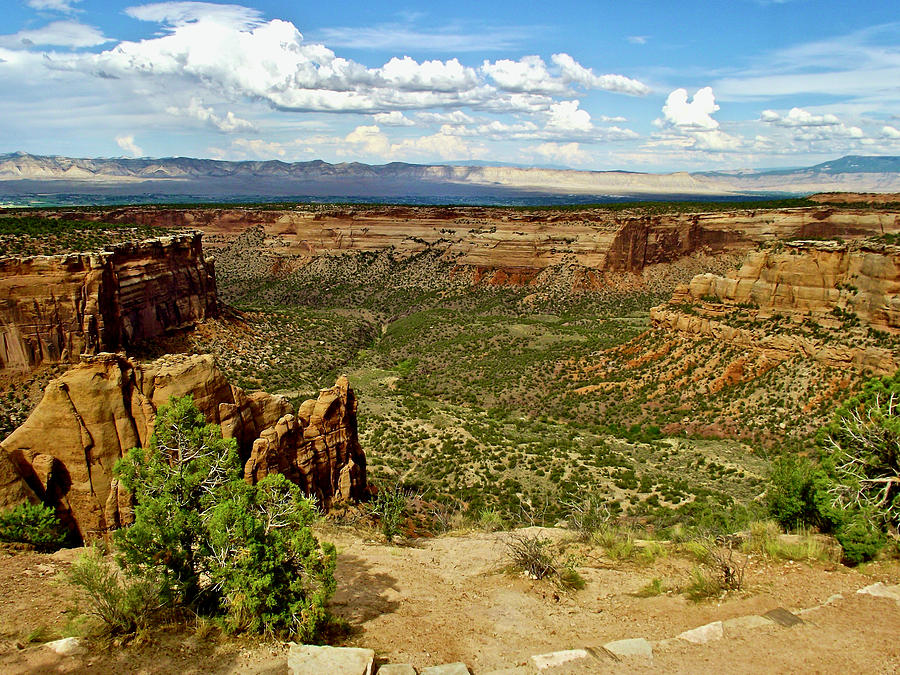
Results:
455 118
128 145
64 6
797 117
177 14
394 118
572 71
196 110
695 114
567 116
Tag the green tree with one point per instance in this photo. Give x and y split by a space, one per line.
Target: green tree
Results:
862 452
222 546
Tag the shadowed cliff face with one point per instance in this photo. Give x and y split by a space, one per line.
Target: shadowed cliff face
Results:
55 308
107 405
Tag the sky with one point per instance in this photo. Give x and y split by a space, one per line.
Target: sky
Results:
587 84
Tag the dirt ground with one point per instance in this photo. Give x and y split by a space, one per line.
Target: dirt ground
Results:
451 598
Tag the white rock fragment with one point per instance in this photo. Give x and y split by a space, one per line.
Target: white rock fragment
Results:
631 647
703 634
308 659
70 646
880 590
740 624
556 659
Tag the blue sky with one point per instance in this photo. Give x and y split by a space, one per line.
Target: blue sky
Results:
642 85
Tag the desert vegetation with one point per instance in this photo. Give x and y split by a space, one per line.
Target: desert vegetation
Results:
519 412
25 235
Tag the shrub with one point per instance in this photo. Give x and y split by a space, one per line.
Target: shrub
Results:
862 449
587 515
490 520
390 507
272 574
534 556
653 588
123 604
617 542
860 538
791 498
33 524
216 544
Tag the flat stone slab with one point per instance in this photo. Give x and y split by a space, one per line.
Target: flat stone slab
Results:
446 669
703 634
740 624
396 669
880 590
311 659
70 646
556 659
630 647
783 617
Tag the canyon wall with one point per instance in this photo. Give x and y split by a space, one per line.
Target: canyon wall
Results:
811 278
508 246
55 308
810 299
93 414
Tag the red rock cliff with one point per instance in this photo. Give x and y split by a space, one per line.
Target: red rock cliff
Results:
55 308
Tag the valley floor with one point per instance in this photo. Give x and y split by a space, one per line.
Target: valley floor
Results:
451 598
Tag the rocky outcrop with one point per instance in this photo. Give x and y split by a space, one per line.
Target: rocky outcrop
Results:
778 347
811 278
53 309
13 488
98 410
316 447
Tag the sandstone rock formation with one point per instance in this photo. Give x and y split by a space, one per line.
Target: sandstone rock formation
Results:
777 348
820 282
101 408
811 278
508 247
55 308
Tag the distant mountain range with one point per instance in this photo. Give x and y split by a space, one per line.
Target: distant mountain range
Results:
23 175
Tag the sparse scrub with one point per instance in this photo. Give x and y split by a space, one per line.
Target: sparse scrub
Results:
617 542
654 587
766 538
123 604
534 556
491 521
588 514
389 506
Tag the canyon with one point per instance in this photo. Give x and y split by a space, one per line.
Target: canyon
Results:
506 246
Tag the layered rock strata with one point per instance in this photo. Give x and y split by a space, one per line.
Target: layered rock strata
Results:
810 278
65 451
825 282
55 308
